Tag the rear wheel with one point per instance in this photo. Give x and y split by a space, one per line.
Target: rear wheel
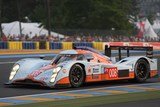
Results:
76 76
141 70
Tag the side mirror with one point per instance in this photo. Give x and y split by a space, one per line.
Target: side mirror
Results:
89 58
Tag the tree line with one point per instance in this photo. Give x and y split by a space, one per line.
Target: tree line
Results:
71 14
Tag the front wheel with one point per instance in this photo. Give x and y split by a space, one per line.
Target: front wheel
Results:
76 76
141 70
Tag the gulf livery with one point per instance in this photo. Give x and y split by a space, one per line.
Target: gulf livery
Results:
83 65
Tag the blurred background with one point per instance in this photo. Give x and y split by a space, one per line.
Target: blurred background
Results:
80 20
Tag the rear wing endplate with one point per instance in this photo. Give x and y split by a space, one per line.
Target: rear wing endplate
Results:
148 49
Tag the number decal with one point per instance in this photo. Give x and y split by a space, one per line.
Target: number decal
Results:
112 72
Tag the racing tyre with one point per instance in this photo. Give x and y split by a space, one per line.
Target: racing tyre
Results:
141 71
76 76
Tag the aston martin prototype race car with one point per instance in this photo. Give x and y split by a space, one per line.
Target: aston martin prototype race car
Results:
82 65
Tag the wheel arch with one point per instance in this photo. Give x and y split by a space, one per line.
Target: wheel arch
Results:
83 69
83 66
148 64
147 61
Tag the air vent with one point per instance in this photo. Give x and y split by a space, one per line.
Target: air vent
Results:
123 61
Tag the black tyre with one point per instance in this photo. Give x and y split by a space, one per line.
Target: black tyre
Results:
76 76
142 69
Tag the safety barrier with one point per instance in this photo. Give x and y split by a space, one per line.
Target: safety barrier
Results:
55 45
98 45
29 45
3 45
47 45
15 45
88 44
67 45
37 45
156 45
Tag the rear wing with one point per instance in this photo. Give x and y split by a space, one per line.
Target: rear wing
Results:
148 49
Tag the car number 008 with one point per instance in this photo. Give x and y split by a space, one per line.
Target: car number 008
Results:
112 72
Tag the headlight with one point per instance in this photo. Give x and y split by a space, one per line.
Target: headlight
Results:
55 72
14 71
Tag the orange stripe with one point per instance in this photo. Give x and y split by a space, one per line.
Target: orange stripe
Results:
153 73
103 77
96 56
95 78
64 81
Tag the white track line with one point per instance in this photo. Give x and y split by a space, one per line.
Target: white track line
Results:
71 91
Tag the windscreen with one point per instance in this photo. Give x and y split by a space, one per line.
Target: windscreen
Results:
67 57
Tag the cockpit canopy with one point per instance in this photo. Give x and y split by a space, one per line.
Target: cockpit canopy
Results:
68 57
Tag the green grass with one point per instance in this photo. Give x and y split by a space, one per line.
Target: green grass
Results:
90 101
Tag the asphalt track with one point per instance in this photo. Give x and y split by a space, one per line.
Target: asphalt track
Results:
6 64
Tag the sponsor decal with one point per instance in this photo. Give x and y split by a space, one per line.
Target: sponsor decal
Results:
94 65
89 69
43 78
95 70
36 73
112 72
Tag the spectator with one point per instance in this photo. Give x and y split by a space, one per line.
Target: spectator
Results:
79 38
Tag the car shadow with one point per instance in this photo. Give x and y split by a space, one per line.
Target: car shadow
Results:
85 86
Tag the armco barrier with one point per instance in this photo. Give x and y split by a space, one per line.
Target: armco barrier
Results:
55 45
47 45
67 45
29 45
15 45
3 45
43 45
88 44
37 45
98 45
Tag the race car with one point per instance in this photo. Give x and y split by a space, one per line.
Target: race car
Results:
83 65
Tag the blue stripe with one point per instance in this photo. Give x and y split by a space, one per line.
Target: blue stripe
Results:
15 101
125 89
90 92
54 96
157 86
